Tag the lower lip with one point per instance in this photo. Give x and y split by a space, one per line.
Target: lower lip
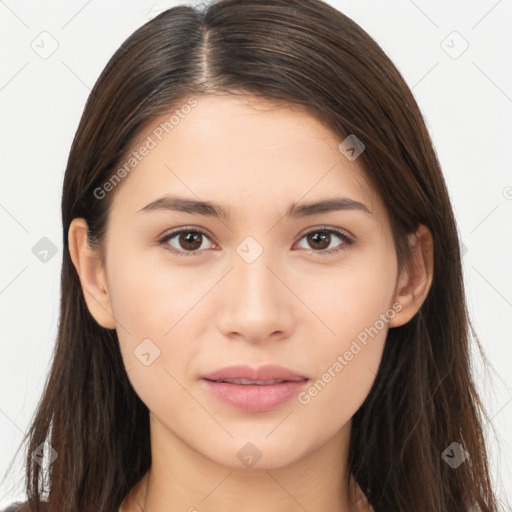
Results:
255 398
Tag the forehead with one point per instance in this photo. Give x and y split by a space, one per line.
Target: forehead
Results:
232 149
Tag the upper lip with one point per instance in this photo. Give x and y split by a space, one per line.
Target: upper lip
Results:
263 373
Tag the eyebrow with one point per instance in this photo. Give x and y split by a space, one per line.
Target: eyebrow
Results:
210 209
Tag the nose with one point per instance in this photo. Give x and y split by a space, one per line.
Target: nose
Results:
256 304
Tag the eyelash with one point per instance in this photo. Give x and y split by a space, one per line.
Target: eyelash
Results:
347 241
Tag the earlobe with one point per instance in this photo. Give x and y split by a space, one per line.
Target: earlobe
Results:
414 283
87 263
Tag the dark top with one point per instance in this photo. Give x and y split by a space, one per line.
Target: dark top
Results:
17 506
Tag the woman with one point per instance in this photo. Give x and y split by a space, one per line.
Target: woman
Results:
312 353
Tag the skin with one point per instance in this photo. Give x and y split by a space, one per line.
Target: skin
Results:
290 306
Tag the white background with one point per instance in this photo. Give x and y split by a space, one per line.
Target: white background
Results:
467 103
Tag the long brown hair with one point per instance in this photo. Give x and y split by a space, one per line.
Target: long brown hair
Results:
301 52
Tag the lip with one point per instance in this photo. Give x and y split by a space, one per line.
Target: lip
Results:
258 397
263 373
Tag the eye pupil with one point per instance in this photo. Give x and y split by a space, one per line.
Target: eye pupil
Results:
190 238
320 237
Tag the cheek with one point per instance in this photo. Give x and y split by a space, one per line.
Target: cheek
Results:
351 298
154 306
154 343
356 305
143 303
148 296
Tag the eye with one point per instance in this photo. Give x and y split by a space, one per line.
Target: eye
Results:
321 238
189 239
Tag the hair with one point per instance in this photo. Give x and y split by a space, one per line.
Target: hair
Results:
301 53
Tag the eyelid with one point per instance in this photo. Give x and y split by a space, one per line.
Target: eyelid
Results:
339 231
175 231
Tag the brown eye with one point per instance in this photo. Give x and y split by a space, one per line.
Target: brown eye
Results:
190 241
320 239
187 243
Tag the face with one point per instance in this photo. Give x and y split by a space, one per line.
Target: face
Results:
312 291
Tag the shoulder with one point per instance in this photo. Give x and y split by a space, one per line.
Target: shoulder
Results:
18 506
22 506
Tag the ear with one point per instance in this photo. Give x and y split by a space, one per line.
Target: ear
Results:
90 270
414 283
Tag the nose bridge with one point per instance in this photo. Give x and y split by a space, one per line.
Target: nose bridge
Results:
254 303
255 284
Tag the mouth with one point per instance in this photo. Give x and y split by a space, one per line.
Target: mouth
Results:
256 394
